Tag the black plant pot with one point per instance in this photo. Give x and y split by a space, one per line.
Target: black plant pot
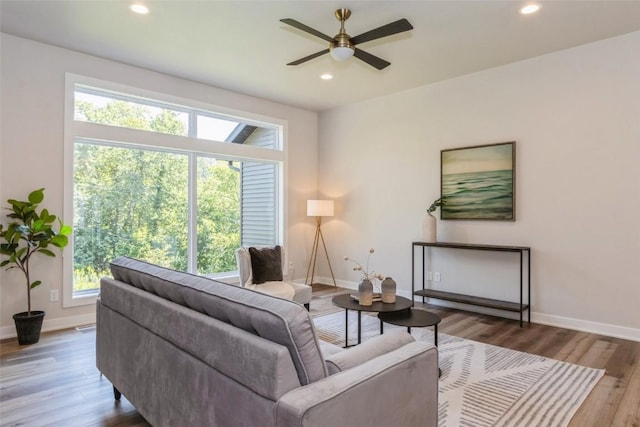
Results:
28 326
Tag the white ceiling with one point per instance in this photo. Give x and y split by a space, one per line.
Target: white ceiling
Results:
242 46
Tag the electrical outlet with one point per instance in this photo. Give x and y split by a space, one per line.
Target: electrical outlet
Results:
54 295
430 276
436 277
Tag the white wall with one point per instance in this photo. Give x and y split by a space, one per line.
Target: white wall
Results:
575 117
31 152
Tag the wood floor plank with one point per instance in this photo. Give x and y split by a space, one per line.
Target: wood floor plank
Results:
598 354
598 407
56 383
574 349
628 411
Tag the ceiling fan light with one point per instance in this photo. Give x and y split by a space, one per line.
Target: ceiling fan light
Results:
139 8
341 53
530 8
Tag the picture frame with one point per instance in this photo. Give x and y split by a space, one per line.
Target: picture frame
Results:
479 182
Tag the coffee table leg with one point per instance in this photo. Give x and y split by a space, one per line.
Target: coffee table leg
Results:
359 326
435 334
381 327
346 328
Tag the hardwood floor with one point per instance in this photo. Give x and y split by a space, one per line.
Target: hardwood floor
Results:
55 382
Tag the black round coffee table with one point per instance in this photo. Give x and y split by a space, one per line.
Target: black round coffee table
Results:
413 318
345 301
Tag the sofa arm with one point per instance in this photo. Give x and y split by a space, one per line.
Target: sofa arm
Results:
369 349
396 388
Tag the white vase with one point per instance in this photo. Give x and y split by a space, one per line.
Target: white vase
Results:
428 228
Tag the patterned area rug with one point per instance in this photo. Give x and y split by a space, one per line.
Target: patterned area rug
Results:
485 385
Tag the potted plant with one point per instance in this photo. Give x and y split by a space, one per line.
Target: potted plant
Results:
30 232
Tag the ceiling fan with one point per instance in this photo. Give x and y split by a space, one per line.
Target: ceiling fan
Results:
342 46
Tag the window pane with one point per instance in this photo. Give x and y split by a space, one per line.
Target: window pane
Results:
217 129
218 215
259 204
214 129
127 202
129 114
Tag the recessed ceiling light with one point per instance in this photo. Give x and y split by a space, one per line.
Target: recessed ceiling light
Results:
530 8
326 76
139 8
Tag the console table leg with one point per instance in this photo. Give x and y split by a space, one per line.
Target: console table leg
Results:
521 284
529 285
359 327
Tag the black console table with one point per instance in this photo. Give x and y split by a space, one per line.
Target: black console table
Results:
520 307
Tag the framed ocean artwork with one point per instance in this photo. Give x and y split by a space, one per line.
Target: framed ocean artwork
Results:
479 182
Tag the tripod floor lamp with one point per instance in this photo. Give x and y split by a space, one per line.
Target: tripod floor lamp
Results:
318 208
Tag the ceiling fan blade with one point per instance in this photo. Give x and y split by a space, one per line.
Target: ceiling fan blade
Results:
396 27
370 59
308 58
307 29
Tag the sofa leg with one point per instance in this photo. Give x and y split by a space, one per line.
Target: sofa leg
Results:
307 306
116 393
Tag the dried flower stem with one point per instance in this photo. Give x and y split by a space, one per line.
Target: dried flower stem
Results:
365 272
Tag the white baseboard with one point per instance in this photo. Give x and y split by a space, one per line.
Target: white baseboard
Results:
587 326
614 331
54 324
541 318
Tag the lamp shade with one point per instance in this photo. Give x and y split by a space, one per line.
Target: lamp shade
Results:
319 207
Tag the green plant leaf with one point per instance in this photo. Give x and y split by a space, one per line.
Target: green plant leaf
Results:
8 235
65 230
16 204
5 262
60 241
36 196
37 225
40 237
36 283
8 248
20 252
47 252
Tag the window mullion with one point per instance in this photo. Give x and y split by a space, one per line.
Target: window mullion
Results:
192 245
193 125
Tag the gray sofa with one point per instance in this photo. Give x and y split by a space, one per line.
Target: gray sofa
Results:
189 351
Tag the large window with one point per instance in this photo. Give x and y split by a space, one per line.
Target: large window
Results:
172 182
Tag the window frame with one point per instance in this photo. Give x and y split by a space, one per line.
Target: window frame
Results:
190 145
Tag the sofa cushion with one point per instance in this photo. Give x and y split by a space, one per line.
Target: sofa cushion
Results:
277 289
266 264
278 320
370 349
